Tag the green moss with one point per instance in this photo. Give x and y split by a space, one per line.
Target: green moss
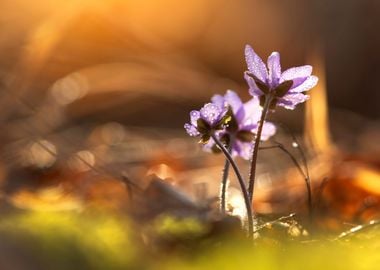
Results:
61 239
89 241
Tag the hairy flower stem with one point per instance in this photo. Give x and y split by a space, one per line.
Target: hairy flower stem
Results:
241 183
252 172
223 188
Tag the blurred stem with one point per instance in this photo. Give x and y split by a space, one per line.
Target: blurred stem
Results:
226 170
241 183
305 176
252 172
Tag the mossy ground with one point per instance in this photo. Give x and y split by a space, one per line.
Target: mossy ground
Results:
64 240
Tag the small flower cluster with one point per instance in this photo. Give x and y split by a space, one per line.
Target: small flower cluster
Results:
235 122
210 118
242 125
235 128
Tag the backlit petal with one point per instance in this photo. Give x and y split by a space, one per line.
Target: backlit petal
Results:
309 83
191 130
274 68
194 116
253 89
290 100
296 72
211 113
269 129
233 100
255 64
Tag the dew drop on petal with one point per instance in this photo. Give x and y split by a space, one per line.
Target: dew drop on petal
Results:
211 113
194 116
191 130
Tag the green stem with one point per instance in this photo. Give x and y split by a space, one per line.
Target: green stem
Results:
252 173
241 183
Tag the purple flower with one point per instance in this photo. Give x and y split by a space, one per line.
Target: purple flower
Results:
209 118
242 125
286 87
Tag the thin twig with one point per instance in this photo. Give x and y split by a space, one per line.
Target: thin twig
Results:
298 166
357 229
306 166
299 147
273 222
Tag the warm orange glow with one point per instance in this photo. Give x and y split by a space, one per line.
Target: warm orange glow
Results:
70 88
162 170
46 199
82 161
368 179
40 154
236 203
40 44
317 130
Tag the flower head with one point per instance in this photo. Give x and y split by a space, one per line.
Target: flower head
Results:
286 87
211 117
242 126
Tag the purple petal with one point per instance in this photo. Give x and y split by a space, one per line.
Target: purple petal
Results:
286 104
290 100
255 64
252 105
194 116
218 100
296 72
211 113
309 83
253 89
298 81
269 129
252 112
242 149
240 115
208 146
249 127
274 68
235 149
191 130
233 100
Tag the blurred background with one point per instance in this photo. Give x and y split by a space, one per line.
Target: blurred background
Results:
95 91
